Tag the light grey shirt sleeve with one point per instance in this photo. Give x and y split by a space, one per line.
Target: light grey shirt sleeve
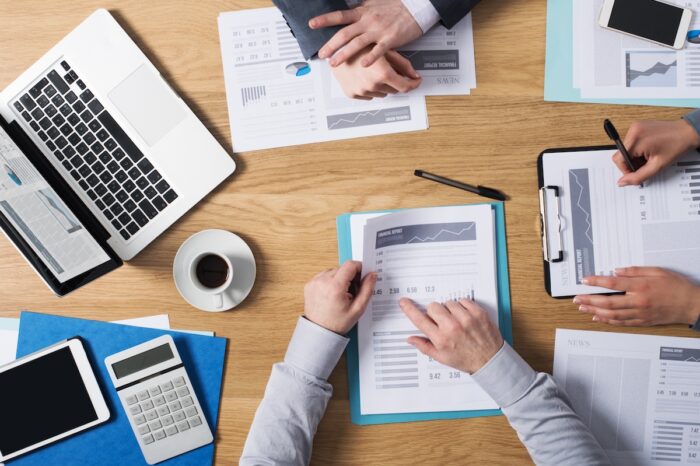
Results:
694 119
539 411
295 399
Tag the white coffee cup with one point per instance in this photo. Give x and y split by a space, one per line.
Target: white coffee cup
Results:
217 291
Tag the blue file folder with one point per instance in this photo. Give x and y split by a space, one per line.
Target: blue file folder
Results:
352 355
558 76
114 443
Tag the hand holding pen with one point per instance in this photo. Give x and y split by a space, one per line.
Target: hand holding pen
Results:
650 147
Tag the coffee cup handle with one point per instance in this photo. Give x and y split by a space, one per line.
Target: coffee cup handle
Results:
219 300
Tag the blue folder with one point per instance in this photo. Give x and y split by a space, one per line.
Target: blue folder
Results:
558 77
114 443
352 354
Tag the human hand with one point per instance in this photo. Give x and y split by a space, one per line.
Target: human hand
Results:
653 296
385 23
659 143
389 75
328 303
459 334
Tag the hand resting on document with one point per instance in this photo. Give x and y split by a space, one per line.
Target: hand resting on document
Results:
458 334
653 296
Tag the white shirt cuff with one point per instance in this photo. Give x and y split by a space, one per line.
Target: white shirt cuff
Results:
314 350
423 12
506 377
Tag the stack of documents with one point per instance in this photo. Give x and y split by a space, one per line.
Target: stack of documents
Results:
276 98
587 63
639 394
433 254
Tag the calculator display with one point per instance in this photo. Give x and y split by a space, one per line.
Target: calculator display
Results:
142 361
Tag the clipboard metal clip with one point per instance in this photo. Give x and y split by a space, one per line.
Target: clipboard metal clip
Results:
544 218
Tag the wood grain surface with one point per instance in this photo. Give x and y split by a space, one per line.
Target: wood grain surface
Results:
283 202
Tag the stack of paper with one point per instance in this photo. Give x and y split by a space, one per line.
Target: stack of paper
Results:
639 394
434 254
587 63
276 98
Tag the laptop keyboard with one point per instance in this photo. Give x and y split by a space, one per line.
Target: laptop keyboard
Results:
95 150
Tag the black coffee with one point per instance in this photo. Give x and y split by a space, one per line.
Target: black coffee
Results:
212 271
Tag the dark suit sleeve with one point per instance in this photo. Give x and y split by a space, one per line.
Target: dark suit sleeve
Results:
451 11
299 12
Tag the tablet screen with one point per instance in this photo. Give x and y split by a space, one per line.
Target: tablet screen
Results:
41 399
43 220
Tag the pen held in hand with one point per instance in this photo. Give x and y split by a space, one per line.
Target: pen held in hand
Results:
613 134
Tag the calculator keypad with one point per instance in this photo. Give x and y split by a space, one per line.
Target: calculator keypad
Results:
163 410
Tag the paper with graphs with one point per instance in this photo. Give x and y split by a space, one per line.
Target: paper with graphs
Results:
427 255
639 394
276 98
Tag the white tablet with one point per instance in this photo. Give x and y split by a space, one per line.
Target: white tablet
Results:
47 396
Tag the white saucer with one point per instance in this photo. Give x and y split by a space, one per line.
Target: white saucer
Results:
220 242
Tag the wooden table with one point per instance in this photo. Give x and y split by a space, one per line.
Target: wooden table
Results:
283 202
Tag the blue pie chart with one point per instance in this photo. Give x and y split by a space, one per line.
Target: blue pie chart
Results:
694 36
299 68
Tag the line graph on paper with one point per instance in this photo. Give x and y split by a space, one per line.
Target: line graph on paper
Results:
461 235
368 118
582 222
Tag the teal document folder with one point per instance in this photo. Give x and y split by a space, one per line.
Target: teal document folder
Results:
558 77
114 443
352 354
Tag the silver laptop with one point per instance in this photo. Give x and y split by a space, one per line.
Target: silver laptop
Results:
109 126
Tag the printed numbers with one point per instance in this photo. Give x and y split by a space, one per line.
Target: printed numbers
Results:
455 375
434 375
430 288
412 290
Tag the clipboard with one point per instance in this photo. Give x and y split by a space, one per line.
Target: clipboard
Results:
550 217
352 351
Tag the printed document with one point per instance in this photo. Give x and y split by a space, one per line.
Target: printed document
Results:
608 64
445 59
42 219
605 227
639 394
434 254
276 98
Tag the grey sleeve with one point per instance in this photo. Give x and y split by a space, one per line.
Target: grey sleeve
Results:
295 399
694 119
297 13
539 411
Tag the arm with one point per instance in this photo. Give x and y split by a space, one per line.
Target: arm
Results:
452 11
299 12
539 411
460 335
298 392
295 398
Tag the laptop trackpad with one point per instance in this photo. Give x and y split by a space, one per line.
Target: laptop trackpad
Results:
148 104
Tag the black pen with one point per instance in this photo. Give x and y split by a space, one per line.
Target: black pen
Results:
480 190
612 134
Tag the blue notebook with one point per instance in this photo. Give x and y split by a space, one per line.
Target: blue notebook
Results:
114 443
558 77
352 355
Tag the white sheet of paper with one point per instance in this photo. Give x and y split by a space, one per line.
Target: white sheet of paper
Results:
428 255
445 59
615 65
9 332
276 98
639 394
605 227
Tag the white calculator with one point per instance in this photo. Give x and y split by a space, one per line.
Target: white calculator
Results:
158 398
